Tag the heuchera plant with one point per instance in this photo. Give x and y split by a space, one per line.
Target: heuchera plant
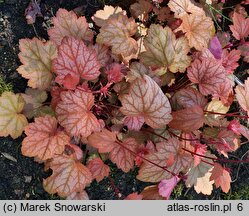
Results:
148 95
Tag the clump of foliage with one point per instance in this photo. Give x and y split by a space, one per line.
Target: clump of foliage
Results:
155 96
5 86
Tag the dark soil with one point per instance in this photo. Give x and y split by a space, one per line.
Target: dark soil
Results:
21 177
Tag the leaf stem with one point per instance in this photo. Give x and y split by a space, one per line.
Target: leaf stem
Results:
225 114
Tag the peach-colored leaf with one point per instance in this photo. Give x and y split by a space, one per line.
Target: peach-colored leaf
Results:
164 50
204 184
36 57
221 177
12 121
134 196
78 196
98 169
76 59
188 120
147 100
183 7
43 139
208 73
101 16
104 140
68 176
66 23
73 113
242 95
122 157
150 173
117 32
240 27
198 29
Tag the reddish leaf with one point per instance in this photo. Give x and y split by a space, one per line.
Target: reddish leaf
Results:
190 97
104 141
36 58
141 9
44 140
123 158
238 129
75 59
117 32
55 93
150 173
134 196
73 113
66 23
151 193
230 60
98 169
70 82
68 176
12 122
221 177
208 73
188 120
166 186
240 27
242 95
147 100
199 150
134 122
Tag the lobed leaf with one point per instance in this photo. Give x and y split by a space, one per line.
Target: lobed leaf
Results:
147 100
68 176
240 27
242 95
44 140
198 30
188 120
208 73
221 177
12 121
66 24
98 169
122 157
117 32
73 113
101 16
164 50
104 140
36 57
76 60
148 172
